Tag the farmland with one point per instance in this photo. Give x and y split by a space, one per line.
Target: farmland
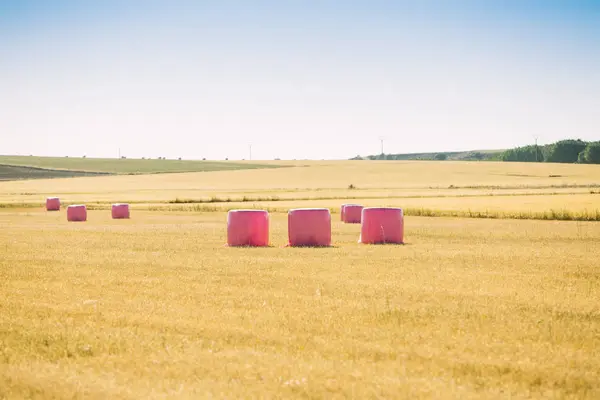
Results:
432 187
56 165
13 172
157 306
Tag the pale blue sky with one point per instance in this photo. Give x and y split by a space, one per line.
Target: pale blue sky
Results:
297 79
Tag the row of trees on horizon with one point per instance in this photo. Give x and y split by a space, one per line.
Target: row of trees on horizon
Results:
564 151
463 156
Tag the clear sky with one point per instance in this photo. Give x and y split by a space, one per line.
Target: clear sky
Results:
296 78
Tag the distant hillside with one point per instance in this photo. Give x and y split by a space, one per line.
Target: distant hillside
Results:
13 173
473 155
79 166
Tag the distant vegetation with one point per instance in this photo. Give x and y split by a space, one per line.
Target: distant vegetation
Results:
28 167
565 151
473 155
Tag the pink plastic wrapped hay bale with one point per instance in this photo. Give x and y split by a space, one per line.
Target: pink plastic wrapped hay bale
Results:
309 227
52 204
248 228
382 225
120 211
352 213
77 212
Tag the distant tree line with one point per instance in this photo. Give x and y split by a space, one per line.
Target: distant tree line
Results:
564 151
462 156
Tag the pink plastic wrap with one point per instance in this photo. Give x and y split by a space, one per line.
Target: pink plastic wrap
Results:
382 225
120 211
309 227
77 213
351 213
52 204
248 228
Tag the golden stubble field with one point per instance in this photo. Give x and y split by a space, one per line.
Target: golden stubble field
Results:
421 188
158 307
319 179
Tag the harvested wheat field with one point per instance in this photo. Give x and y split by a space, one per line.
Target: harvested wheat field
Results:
158 307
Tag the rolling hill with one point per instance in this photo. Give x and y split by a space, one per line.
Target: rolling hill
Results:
29 167
11 173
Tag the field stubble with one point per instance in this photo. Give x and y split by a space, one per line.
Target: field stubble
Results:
157 306
488 190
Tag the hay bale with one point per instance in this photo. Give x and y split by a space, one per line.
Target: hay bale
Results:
52 204
352 213
76 212
309 227
382 225
248 228
120 211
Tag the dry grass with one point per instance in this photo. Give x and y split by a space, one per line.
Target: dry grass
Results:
548 215
446 187
156 195
158 307
501 206
386 175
